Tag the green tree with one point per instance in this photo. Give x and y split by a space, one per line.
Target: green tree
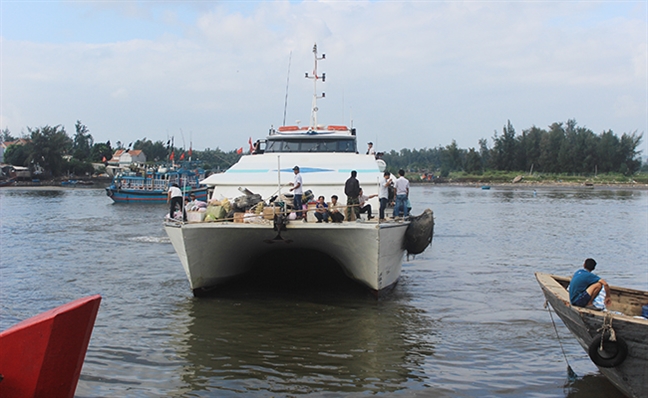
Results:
49 144
82 142
17 154
155 151
550 145
452 157
607 151
484 153
473 162
629 155
101 151
503 154
216 159
529 144
5 135
78 167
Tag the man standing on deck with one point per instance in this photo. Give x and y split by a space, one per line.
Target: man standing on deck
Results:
383 194
352 191
174 197
402 193
585 286
297 191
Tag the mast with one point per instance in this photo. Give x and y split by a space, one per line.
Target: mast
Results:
316 77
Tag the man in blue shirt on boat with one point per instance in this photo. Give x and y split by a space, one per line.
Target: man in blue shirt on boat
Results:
585 286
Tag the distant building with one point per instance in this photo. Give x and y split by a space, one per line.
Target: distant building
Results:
124 158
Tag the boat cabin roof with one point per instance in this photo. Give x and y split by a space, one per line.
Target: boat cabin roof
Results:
312 139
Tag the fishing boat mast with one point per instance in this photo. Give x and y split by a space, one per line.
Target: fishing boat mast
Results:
315 77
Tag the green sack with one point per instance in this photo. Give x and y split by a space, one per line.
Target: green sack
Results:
215 212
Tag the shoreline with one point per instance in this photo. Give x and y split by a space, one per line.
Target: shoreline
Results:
103 182
536 184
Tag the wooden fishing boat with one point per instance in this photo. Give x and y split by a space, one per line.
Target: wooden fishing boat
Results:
620 330
43 355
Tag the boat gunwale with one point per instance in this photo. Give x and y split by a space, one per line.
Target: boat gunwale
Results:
552 284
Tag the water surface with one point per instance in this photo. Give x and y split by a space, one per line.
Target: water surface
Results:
466 319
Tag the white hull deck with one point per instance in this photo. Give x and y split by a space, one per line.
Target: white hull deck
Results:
214 253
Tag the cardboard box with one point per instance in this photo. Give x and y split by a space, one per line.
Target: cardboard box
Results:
238 217
195 216
269 212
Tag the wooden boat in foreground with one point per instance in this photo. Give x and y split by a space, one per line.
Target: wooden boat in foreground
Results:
624 361
43 355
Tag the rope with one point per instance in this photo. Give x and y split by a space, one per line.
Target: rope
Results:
570 372
607 327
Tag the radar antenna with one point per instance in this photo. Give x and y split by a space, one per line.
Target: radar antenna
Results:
316 77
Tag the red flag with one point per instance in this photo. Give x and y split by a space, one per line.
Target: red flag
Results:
172 156
251 146
182 156
240 150
189 151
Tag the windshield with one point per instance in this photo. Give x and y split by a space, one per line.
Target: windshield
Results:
311 145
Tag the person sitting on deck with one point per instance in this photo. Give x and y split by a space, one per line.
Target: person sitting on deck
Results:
321 210
194 204
585 286
334 210
365 208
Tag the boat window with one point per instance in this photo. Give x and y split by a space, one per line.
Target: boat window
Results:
311 145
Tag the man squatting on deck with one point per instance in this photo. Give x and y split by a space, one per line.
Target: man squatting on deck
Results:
585 286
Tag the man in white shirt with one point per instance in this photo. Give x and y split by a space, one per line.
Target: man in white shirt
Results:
402 192
370 150
174 197
297 191
383 194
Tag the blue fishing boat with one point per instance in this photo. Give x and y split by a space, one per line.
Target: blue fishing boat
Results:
152 184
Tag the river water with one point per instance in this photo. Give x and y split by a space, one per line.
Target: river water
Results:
466 319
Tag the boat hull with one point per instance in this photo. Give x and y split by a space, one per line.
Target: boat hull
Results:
631 376
214 253
43 355
144 196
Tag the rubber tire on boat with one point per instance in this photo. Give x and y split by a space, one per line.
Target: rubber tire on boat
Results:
614 353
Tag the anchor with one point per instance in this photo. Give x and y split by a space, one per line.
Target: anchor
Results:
279 224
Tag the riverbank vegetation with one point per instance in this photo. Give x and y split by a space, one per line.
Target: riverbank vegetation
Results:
564 152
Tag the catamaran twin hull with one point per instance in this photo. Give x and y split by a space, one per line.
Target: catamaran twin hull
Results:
214 253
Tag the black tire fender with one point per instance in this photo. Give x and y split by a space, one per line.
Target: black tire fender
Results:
613 353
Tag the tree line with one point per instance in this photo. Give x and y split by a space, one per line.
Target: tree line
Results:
52 149
562 148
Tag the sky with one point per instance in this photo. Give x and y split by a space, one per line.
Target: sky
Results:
405 74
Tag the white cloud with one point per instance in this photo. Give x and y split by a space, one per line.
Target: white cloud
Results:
410 74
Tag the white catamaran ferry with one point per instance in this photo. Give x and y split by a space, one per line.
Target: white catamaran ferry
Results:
369 251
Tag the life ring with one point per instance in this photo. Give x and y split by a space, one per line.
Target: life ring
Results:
612 355
337 128
288 128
